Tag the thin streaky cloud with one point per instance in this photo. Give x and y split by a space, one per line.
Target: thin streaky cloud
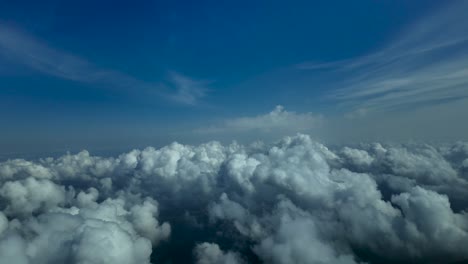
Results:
21 48
188 91
425 62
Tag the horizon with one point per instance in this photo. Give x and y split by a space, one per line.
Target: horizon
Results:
167 72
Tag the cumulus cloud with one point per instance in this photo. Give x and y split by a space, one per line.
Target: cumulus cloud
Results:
31 195
279 121
100 235
293 201
210 253
145 222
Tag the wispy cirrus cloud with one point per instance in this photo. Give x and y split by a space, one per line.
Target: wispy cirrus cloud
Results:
426 64
21 48
188 91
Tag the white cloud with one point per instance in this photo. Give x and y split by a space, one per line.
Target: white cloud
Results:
294 201
278 121
144 218
210 253
296 239
106 233
31 196
357 157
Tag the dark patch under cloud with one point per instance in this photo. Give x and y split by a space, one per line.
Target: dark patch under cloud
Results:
294 201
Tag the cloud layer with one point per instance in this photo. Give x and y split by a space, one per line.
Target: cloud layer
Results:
294 201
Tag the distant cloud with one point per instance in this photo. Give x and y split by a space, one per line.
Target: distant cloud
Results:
21 48
426 64
278 120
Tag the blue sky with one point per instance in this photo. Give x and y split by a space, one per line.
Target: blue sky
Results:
121 74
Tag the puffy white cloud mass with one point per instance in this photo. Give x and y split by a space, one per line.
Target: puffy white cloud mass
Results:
293 201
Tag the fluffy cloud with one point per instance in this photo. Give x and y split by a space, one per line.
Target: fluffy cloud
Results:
278 120
101 233
146 223
31 195
210 253
294 201
295 238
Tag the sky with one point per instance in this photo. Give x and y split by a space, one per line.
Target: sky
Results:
233 132
117 75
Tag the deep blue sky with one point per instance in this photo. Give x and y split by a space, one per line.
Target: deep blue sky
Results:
84 74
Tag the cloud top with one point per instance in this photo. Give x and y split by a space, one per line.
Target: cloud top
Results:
294 201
